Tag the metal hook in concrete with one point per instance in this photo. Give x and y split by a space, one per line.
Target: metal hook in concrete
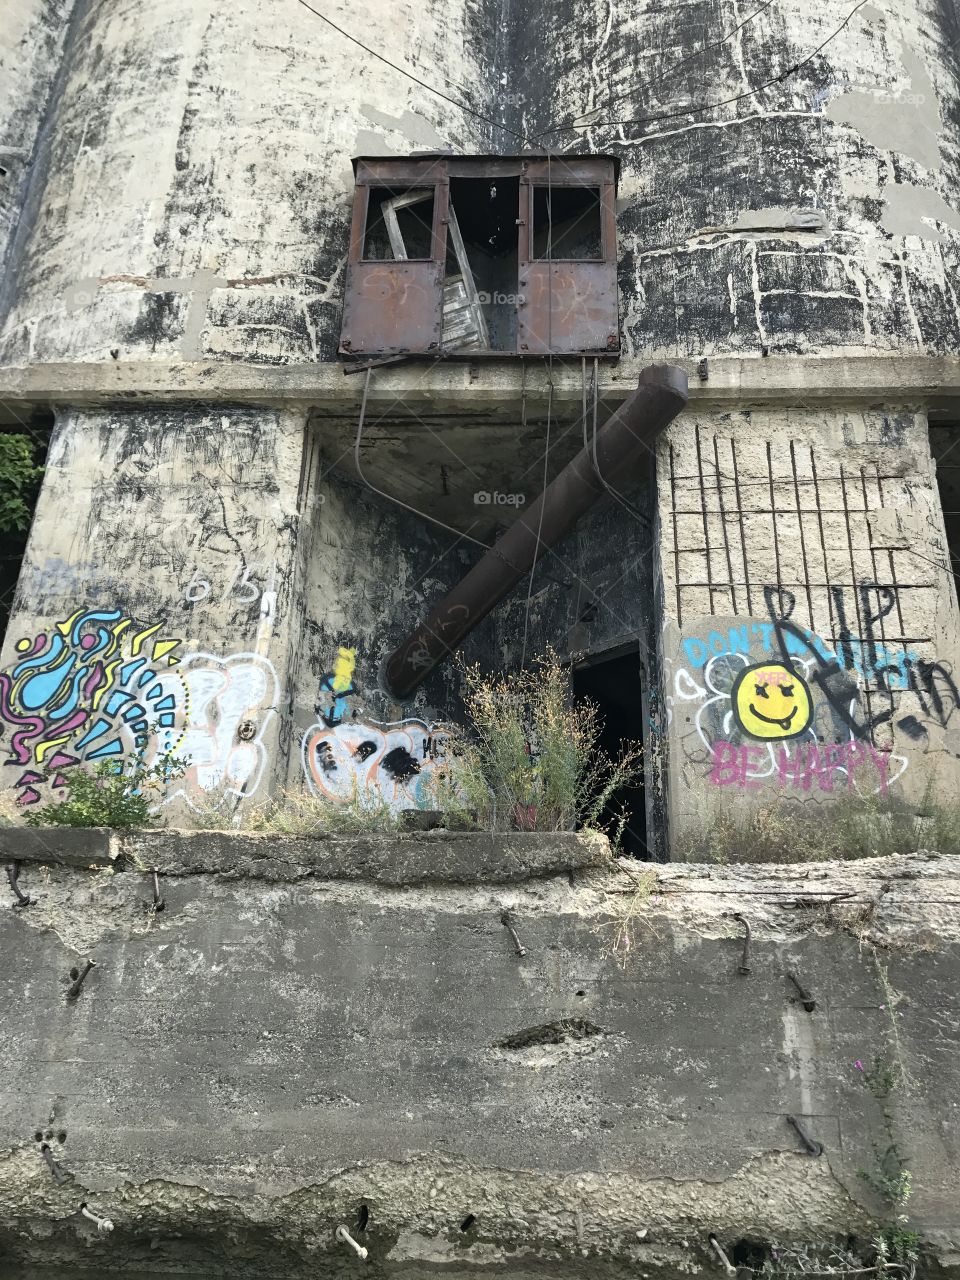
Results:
814 1148
59 1174
806 999
79 978
344 1236
506 919
13 875
728 1266
158 902
744 966
104 1225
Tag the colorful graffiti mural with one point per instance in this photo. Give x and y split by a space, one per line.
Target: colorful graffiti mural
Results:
100 685
345 756
793 721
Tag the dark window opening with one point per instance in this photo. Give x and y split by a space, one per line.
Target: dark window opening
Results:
945 447
614 685
567 223
23 451
399 225
483 216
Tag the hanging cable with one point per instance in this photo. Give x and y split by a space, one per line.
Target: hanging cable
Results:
546 467
670 72
389 496
417 80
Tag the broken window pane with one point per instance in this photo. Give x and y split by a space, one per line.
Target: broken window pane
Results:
566 223
399 224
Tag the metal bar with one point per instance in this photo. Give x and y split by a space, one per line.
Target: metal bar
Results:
806 999
813 1147
78 981
507 921
744 965
59 1174
621 442
13 875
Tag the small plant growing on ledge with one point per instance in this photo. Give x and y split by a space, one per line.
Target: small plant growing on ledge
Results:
112 794
531 760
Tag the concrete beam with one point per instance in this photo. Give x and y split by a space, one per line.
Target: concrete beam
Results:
485 387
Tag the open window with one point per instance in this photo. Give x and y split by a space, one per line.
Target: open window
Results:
482 256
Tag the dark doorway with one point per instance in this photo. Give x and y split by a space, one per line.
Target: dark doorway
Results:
945 447
615 686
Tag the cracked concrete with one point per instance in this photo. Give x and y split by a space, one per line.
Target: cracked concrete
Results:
245 1069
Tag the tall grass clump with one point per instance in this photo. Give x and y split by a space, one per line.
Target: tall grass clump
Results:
529 758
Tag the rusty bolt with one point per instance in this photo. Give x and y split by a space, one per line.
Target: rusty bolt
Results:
247 730
79 977
611 339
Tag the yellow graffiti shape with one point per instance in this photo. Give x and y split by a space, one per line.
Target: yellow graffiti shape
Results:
343 670
771 702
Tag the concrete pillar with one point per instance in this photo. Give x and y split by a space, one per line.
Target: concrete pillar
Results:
154 609
810 643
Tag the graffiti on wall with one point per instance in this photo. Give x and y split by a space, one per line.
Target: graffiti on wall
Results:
769 702
347 756
100 685
793 720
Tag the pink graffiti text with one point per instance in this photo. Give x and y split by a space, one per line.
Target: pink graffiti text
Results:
734 764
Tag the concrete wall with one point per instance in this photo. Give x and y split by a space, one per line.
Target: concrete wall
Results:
311 1026
197 183
179 264
805 551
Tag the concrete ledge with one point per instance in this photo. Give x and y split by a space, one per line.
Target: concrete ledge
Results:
66 846
932 381
438 857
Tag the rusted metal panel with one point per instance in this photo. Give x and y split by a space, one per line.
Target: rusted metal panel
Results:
626 436
568 306
393 307
587 171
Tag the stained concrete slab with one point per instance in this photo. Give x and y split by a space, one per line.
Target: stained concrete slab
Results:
243 1070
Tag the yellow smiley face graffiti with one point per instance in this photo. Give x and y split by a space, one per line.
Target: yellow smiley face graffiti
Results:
770 701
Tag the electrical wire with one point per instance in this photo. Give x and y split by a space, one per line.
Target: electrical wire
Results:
423 515
418 80
668 74
725 102
536 553
624 502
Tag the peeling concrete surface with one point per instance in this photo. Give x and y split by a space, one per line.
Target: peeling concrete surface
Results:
245 1069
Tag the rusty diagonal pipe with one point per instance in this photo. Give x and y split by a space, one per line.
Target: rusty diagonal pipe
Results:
621 442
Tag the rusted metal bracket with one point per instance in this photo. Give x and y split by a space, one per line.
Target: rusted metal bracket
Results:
813 1147
806 999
